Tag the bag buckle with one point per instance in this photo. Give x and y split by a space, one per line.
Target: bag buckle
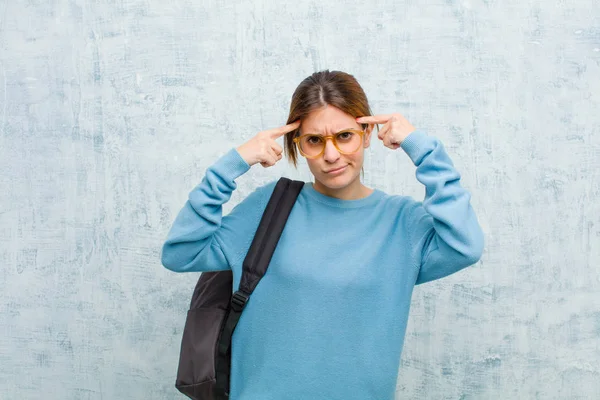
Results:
239 300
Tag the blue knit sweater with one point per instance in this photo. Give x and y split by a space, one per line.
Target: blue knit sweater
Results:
328 319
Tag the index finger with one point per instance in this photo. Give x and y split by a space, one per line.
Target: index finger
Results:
374 119
278 132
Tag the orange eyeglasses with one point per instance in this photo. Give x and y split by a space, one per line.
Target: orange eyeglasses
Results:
312 145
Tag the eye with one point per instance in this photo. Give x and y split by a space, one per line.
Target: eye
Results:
346 135
314 139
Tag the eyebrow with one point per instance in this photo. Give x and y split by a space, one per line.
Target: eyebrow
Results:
319 134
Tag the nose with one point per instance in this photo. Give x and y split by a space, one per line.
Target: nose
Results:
331 154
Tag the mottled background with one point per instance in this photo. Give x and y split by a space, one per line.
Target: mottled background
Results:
111 110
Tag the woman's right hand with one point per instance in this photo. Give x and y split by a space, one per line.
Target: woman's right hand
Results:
263 148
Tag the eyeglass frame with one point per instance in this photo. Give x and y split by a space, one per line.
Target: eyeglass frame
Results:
330 137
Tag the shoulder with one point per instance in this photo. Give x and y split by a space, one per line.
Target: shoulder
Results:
404 204
259 194
268 188
258 198
409 212
265 191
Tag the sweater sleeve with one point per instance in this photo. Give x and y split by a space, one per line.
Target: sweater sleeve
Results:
443 227
200 239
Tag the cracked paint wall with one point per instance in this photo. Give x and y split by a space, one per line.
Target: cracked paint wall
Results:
110 111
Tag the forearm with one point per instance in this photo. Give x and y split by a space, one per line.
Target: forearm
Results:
445 225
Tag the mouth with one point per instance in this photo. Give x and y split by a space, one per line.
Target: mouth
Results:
336 171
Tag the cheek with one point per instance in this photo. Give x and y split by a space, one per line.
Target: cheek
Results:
313 165
357 158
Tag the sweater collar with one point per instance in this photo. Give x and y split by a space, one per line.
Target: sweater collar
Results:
335 202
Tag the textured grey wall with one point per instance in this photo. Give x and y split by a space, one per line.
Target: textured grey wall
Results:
110 111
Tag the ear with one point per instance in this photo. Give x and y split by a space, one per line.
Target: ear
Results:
368 132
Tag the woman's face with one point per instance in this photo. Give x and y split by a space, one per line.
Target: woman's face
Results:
327 121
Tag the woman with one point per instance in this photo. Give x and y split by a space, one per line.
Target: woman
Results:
328 319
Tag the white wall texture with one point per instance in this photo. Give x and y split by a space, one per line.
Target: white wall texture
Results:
111 110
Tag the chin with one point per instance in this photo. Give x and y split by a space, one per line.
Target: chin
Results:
337 182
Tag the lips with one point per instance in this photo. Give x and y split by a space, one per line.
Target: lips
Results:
336 169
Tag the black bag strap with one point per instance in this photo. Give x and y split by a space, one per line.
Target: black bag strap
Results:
254 268
268 234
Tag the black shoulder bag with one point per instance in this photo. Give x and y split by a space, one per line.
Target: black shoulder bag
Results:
205 358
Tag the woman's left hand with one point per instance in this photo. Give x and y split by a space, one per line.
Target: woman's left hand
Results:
395 130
